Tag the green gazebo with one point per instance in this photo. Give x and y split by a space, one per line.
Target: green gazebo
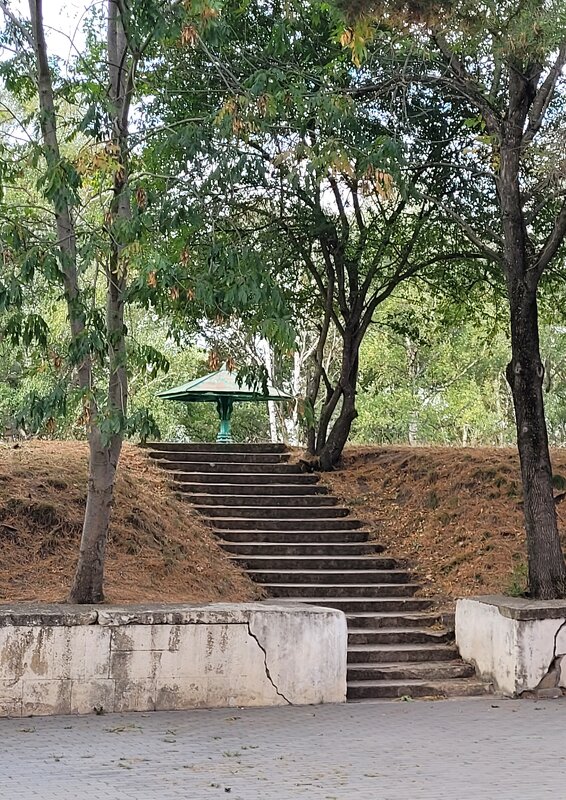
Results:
221 387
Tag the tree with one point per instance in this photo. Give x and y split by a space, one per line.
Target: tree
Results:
504 66
312 186
96 339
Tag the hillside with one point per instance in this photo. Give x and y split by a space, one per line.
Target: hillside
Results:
158 549
455 513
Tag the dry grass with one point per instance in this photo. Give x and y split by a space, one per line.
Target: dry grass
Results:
455 513
158 549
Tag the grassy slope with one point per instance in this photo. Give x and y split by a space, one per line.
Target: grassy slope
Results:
455 513
158 548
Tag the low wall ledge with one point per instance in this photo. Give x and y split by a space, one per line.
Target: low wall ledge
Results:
65 659
524 609
67 615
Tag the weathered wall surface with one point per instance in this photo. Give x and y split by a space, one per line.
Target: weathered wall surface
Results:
518 644
73 659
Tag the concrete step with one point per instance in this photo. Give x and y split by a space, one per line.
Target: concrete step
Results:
394 653
340 590
301 537
307 565
295 493
256 553
304 525
379 636
228 468
329 576
390 689
361 605
266 502
321 515
283 478
220 457
214 447
410 670
394 619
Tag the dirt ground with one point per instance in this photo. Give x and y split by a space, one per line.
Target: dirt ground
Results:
455 513
158 548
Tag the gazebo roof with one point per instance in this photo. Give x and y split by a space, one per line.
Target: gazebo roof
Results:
221 383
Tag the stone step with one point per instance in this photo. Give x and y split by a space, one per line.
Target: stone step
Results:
266 502
410 670
320 515
406 635
294 492
394 653
390 689
330 576
394 619
361 605
300 480
307 565
266 552
214 447
336 591
321 524
229 468
220 457
301 537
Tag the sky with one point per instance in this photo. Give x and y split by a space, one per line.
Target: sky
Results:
62 19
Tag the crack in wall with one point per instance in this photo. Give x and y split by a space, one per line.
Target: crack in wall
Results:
267 672
550 681
554 655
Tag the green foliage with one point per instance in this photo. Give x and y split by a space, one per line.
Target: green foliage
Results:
519 580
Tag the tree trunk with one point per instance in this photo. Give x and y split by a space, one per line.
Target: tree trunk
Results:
525 373
313 384
329 448
89 575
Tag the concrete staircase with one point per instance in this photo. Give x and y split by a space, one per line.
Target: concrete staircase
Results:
291 536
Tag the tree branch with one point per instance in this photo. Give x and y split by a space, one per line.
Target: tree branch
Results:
17 23
474 237
467 85
544 97
553 242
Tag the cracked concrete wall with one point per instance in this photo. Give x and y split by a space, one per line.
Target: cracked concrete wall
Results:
59 660
517 644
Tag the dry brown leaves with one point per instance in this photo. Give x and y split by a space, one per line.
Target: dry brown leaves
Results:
455 513
158 549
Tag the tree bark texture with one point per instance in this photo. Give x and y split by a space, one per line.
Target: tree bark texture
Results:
525 373
330 447
88 583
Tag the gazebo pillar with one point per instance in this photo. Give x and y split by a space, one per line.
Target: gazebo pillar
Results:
224 406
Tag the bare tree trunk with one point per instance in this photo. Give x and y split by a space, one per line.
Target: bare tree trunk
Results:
271 413
525 373
313 387
89 576
329 448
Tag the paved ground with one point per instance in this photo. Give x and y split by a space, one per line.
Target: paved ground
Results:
451 750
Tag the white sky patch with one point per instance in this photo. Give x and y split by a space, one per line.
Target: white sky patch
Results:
63 20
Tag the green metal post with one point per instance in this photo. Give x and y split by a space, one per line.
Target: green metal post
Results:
224 406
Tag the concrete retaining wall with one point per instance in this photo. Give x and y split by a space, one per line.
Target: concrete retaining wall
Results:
519 645
74 659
